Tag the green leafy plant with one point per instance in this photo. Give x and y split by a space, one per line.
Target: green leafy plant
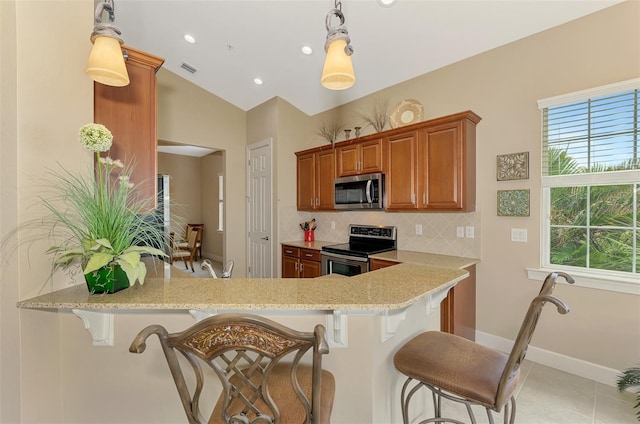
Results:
630 378
99 221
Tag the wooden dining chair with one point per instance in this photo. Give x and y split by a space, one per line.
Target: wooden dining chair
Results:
186 251
258 363
466 372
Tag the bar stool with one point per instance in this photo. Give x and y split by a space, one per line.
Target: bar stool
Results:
463 371
258 363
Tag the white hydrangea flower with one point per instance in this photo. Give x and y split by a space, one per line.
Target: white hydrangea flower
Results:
95 137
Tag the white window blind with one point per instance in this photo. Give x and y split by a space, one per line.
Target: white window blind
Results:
593 135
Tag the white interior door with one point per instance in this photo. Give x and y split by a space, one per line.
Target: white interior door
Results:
260 246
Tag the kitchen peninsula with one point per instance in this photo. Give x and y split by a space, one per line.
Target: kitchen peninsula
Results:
367 317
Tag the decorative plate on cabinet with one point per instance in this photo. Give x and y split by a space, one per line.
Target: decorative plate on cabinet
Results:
408 111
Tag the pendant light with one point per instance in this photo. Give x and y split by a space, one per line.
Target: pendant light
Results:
106 60
337 73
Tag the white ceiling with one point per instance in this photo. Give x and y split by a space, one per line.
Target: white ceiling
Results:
391 44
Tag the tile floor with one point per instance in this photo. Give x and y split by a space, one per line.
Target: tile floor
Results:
549 396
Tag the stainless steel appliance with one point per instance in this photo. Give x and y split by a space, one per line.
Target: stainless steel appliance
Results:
352 258
359 192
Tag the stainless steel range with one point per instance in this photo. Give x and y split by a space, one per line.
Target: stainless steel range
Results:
352 258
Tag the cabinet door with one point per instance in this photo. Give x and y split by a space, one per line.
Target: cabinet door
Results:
326 170
290 267
309 269
371 156
458 309
347 158
401 171
305 169
130 114
446 167
440 165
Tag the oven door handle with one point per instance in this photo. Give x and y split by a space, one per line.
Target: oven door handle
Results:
347 257
368 190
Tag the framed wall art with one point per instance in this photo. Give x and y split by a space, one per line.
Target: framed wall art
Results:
513 202
514 166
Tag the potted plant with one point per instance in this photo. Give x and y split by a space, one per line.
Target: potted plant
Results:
630 378
100 223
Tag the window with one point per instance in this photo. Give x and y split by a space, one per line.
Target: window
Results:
591 183
220 202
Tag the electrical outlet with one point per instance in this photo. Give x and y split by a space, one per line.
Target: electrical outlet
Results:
460 232
418 229
468 232
333 225
519 235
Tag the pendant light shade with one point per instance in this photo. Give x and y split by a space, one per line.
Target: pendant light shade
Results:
337 73
106 62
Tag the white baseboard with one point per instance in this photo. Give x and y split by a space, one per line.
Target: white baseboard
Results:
555 360
211 256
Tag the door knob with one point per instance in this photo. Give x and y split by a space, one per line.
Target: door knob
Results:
265 238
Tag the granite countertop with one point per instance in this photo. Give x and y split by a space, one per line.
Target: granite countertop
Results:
382 290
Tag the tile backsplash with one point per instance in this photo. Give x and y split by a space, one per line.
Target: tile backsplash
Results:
439 233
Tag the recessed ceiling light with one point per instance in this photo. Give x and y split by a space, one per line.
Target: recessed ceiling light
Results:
306 49
189 38
257 81
386 3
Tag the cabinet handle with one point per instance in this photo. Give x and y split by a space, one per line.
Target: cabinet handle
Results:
424 198
413 198
296 267
308 255
317 202
288 251
301 267
312 202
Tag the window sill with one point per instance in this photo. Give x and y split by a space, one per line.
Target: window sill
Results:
620 284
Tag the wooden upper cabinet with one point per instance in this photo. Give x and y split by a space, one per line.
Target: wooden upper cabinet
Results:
446 166
401 171
129 112
432 165
359 158
305 181
316 171
428 166
326 170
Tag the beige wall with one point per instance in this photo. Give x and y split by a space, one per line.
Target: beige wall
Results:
286 126
189 115
193 191
50 372
185 186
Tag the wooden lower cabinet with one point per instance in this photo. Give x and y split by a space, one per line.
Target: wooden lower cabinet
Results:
458 309
298 262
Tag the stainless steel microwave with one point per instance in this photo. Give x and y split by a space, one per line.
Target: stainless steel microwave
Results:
359 192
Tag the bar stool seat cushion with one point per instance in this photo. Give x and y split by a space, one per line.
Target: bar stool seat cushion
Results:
456 365
281 390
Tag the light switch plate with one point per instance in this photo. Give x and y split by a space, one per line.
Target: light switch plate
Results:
519 235
460 232
469 232
418 229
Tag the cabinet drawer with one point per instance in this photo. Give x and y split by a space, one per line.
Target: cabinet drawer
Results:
310 254
291 251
